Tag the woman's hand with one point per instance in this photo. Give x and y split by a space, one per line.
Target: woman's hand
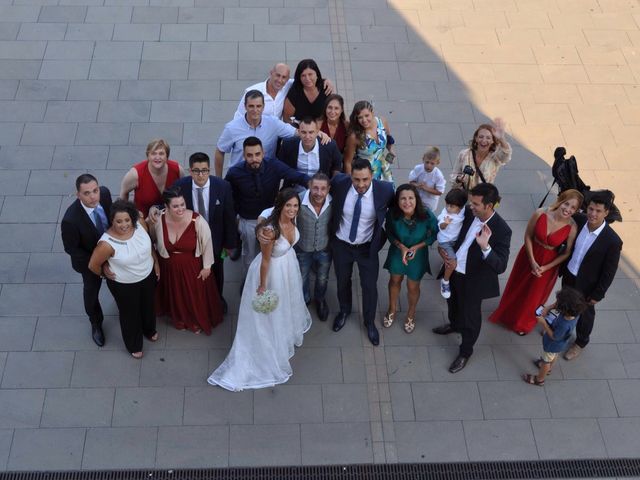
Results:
261 289
156 269
409 255
499 126
324 138
204 274
266 235
107 272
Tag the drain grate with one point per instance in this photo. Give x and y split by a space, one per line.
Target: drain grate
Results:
601 468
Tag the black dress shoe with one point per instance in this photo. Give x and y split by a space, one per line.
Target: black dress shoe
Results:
458 364
372 333
322 309
98 335
445 329
339 321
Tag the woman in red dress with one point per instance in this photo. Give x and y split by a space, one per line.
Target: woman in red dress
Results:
151 176
187 290
334 122
535 271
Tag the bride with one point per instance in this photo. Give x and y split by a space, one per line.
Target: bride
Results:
264 343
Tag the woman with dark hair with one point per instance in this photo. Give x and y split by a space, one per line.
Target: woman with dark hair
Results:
411 228
369 137
335 122
126 248
264 342
488 151
548 242
187 290
306 98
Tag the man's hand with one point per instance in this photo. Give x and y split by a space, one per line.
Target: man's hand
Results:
107 272
329 88
449 263
324 138
266 235
483 236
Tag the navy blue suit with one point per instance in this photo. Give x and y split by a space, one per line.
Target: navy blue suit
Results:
366 255
330 158
222 219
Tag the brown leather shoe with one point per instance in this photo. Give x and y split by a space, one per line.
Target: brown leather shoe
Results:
574 351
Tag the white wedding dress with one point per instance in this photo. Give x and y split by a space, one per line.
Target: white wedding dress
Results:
264 343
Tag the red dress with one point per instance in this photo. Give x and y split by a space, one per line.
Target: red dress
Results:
524 291
191 303
341 134
147 194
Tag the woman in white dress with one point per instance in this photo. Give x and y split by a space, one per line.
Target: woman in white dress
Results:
265 342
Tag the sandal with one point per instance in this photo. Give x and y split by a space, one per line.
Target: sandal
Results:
532 380
137 355
388 319
409 325
538 362
152 338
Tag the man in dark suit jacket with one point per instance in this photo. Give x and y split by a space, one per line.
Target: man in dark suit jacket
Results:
359 208
592 265
482 252
83 224
307 155
211 197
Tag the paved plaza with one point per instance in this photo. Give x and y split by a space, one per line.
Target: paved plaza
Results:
85 84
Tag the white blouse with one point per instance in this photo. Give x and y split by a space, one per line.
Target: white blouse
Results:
132 261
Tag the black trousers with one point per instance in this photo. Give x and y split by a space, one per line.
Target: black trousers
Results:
344 256
464 312
584 326
218 271
136 310
91 284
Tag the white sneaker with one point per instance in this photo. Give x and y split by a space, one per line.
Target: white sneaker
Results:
445 289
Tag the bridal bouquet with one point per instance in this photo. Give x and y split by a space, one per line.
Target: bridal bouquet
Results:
265 302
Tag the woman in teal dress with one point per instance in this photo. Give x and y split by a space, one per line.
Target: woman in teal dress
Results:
411 228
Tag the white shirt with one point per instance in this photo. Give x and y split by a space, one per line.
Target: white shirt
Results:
205 195
132 261
463 250
367 217
450 234
583 243
309 162
272 106
433 179
268 131
101 212
306 202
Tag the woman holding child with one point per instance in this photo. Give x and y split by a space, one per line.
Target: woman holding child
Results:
548 241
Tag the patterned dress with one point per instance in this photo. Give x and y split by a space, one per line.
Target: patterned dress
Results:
375 152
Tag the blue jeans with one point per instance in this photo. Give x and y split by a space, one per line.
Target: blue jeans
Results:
320 262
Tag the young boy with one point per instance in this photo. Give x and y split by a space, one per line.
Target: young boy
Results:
569 304
428 178
449 226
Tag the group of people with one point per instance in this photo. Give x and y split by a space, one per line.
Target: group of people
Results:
304 189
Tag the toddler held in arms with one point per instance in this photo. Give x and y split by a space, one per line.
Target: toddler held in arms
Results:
449 226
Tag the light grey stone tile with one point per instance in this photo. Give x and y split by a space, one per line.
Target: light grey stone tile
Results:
402 402
19 69
21 408
322 52
69 50
93 90
23 111
234 89
77 407
269 445
316 365
114 70
580 398
208 405
99 14
11 133
64 69
512 400
253 71
288 404
372 52
631 358
50 268
163 70
34 299
181 111
19 13
124 111
446 133
447 112
71 332
193 447
42 31
568 438
145 14
314 33
262 51
63 14
203 51
480 366
407 364
359 16
276 33
8 89
55 182
141 133
198 133
353 367
12 183
30 209
336 443
499 440
37 369
201 15
417 52
20 157
625 395
165 51
446 401
183 32
89 31
229 33
137 32
125 447
58 449
6 437
597 361
371 33
42 90
13 267
174 368
102 134
621 436
117 50
25 238
419 442
147 406
377 70
344 403
73 111
49 134
122 157
10 31
198 90
105 368
245 15
291 16
144 90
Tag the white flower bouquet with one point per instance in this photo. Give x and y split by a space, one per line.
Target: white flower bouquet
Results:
266 302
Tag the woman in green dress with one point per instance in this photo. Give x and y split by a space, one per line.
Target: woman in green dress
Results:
411 228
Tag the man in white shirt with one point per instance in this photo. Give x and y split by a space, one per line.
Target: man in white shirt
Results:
482 253
592 265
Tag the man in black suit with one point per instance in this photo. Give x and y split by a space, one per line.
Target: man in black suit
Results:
211 197
482 252
592 265
83 224
307 155
359 207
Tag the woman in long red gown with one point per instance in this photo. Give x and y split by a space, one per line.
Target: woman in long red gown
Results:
187 290
535 270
